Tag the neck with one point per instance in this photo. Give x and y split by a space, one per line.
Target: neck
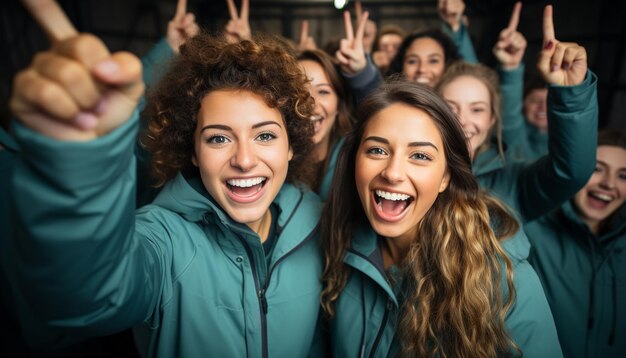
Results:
394 250
320 150
594 225
262 227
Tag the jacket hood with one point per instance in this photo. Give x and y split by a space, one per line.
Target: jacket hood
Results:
487 161
617 225
7 141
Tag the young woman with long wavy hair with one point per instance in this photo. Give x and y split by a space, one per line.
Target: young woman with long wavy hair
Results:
418 261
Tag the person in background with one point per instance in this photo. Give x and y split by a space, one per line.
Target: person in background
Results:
386 46
579 253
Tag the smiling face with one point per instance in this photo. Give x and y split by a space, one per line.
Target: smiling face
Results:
424 61
242 151
536 108
470 100
326 105
400 170
605 191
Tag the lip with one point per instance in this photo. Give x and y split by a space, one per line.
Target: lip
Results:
317 122
385 217
241 199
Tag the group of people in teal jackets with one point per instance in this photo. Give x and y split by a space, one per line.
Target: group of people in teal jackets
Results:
261 201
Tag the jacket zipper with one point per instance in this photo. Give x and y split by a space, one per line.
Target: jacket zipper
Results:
262 301
383 324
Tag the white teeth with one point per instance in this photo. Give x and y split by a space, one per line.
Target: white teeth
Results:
245 183
422 80
315 117
603 197
391 196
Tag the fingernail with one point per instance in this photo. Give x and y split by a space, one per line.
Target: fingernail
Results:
549 45
554 68
101 106
565 65
86 120
107 68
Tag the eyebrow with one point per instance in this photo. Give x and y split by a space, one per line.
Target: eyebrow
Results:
606 165
411 144
227 128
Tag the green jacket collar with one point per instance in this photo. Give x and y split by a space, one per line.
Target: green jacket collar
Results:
487 161
617 226
7 141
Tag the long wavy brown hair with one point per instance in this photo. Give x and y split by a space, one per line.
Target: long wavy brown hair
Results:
455 269
207 63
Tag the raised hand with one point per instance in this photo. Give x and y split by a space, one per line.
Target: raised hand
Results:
560 63
182 27
511 45
238 28
77 90
351 54
369 35
451 12
306 42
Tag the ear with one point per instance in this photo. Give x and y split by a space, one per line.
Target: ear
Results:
290 153
444 182
194 160
493 120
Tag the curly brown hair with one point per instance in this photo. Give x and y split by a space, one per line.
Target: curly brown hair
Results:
206 63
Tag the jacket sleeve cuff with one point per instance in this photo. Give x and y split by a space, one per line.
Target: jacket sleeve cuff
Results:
82 164
363 78
572 98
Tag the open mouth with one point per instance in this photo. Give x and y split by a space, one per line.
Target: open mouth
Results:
391 206
317 122
600 199
246 190
423 80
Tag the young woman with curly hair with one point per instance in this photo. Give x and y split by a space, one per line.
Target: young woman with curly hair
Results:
331 116
426 265
225 261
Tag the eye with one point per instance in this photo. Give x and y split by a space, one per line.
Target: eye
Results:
434 61
266 136
411 61
622 176
478 110
217 139
420 156
323 92
376 151
597 169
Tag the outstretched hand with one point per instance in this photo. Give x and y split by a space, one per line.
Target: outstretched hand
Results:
351 54
77 90
182 27
560 63
511 45
238 28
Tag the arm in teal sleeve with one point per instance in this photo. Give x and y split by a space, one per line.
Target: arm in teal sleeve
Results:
572 129
529 321
154 62
513 123
364 82
463 42
78 264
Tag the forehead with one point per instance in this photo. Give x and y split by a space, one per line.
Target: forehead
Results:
314 71
391 37
235 108
612 156
466 88
425 45
401 123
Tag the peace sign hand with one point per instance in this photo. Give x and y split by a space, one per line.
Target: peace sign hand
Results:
182 27
238 28
511 45
451 12
77 90
306 42
560 63
351 54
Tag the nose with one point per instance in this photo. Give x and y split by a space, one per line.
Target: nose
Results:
394 171
608 181
245 156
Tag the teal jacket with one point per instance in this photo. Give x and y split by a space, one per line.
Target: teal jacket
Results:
327 180
192 282
584 277
524 141
533 189
367 309
463 42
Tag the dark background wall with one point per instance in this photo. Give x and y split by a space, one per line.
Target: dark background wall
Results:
134 25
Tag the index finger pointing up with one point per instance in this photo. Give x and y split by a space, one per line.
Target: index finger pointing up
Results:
245 9
517 9
304 32
51 18
181 9
548 25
